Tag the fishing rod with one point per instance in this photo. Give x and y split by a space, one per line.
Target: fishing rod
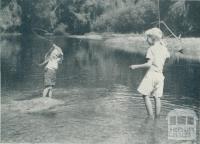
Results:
42 37
166 26
178 38
42 30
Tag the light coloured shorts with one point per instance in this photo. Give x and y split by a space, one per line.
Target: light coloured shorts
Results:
49 77
152 84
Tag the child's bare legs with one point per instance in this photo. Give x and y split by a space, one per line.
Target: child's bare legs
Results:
45 91
148 105
157 105
50 91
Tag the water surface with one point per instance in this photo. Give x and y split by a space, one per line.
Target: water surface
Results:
101 104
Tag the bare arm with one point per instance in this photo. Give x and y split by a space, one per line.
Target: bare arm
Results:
145 65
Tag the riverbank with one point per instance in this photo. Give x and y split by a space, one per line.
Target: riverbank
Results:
186 48
10 34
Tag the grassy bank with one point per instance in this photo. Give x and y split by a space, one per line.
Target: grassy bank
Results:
190 47
10 34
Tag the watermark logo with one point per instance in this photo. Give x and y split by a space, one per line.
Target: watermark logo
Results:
182 124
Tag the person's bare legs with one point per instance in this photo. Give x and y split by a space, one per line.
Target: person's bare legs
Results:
158 106
148 105
45 92
50 91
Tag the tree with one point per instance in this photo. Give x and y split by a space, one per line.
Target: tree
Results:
133 18
10 16
39 14
183 16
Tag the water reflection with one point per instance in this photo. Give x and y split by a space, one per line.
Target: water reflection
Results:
10 51
99 91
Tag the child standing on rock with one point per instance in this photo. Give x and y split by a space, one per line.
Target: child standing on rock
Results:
53 58
153 82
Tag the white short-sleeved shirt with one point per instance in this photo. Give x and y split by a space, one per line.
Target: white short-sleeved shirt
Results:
153 82
54 58
157 53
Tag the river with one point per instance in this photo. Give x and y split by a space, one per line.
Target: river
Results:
101 103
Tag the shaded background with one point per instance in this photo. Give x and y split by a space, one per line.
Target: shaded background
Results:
82 16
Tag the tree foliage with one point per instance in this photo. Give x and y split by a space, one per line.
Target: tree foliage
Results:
10 16
81 16
184 16
37 13
133 18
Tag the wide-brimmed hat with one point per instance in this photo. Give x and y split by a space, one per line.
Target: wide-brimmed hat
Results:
156 32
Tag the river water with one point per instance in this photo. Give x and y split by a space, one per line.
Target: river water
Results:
101 104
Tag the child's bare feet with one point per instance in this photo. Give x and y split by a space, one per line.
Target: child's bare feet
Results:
151 117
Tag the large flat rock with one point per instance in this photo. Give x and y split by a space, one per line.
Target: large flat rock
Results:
34 105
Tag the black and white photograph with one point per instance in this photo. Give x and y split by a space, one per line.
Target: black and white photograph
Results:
100 71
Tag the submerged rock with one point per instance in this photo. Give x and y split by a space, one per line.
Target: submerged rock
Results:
34 105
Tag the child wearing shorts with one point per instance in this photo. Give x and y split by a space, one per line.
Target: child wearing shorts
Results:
153 81
53 58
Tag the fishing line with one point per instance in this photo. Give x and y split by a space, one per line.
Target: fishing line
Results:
159 13
41 30
166 26
42 37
